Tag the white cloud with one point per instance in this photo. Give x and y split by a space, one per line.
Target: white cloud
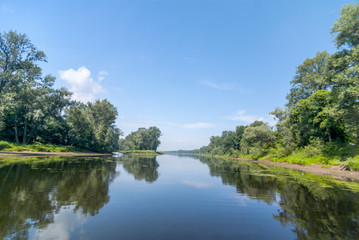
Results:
248 119
101 75
199 125
82 85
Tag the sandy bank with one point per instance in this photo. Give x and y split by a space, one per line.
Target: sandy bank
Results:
13 154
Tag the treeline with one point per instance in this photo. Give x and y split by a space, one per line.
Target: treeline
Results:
31 109
142 139
322 112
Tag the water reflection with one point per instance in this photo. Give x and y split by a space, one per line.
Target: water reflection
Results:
317 207
141 167
48 198
31 194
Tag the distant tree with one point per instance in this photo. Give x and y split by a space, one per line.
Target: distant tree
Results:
142 139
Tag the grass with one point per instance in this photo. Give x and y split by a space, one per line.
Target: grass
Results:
38 147
140 152
329 154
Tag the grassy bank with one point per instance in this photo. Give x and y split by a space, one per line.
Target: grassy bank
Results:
141 152
327 155
38 147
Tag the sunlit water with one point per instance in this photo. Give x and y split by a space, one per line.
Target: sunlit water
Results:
171 197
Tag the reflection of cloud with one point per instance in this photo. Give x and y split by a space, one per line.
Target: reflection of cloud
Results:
240 199
196 184
65 222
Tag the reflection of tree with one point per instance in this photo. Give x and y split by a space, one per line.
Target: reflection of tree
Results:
142 168
245 177
317 208
30 194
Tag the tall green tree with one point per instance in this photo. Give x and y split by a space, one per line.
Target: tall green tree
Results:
18 59
257 138
92 126
311 76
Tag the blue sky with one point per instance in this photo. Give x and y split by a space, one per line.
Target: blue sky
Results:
192 68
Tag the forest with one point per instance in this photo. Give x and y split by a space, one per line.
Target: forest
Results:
320 121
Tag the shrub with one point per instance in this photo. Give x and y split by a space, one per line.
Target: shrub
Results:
353 163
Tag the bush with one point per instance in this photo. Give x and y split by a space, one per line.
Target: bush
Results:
315 148
4 145
353 163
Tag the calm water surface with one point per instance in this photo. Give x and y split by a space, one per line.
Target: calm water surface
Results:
171 197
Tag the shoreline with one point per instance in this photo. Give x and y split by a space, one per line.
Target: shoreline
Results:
338 172
11 154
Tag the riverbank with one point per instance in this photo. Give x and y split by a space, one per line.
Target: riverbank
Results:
339 171
15 154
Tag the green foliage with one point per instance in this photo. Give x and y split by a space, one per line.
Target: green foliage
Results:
142 139
92 126
353 163
346 27
5 145
38 147
140 152
256 140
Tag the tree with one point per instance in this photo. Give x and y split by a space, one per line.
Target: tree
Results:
316 117
18 59
29 105
311 76
142 139
92 126
346 27
257 138
346 67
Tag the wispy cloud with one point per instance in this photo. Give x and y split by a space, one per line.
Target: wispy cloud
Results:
199 125
219 86
241 115
101 75
84 88
225 86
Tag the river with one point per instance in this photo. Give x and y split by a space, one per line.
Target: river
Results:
170 197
